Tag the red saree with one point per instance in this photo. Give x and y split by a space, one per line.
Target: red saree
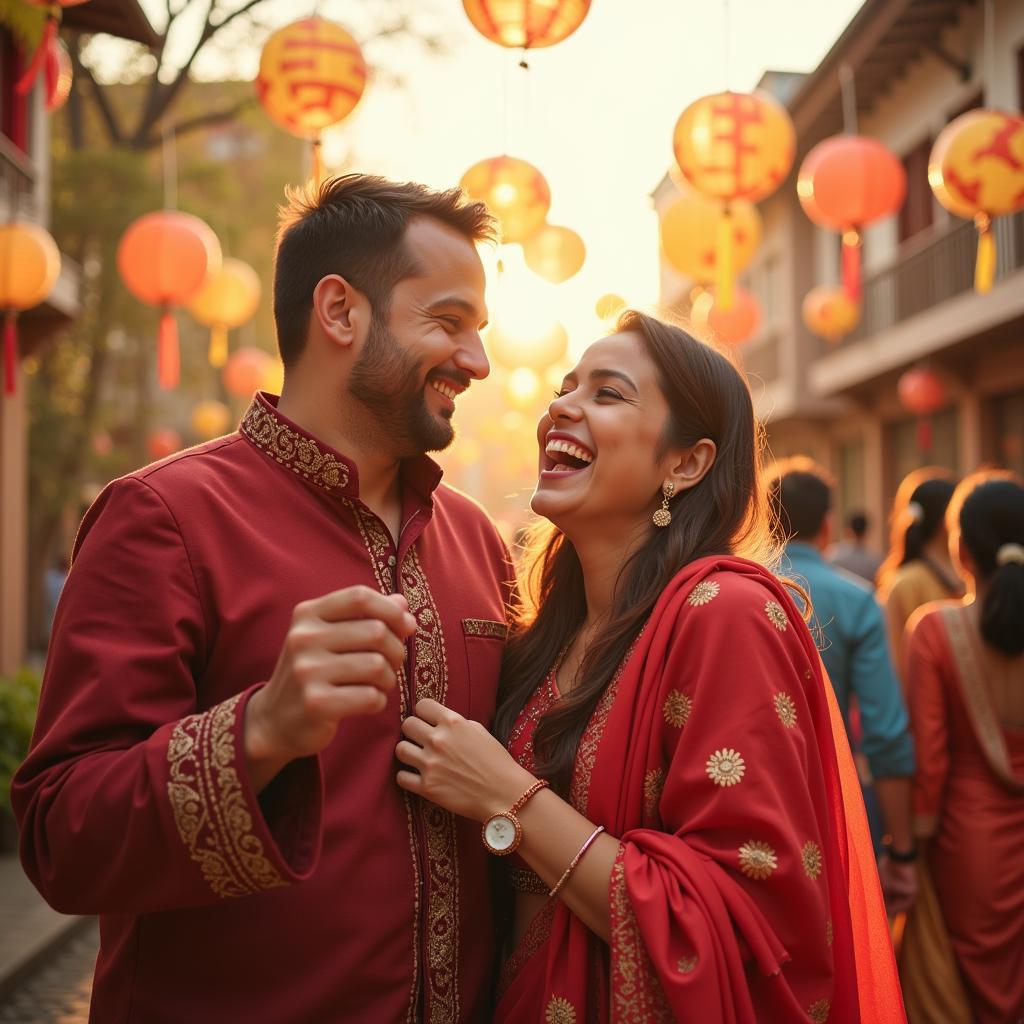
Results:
745 887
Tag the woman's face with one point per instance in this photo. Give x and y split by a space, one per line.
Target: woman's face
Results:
599 440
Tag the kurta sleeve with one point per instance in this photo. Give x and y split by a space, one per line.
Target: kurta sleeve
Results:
727 891
929 717
132 798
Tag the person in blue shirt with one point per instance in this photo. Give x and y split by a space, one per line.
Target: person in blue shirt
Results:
849 626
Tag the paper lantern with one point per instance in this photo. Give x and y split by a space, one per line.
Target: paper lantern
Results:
733 146
846 183
535 353
522 388
29 268
246 370
555 253
164 258
163 442
58 75
210 419
689 232
230 297
976 170
514 190
40 59
273 379
526 24
312 75
609 305
830 312
732 326
922 392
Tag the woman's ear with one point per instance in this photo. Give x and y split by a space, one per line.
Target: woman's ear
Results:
691 465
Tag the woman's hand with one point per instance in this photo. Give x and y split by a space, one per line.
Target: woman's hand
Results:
459 765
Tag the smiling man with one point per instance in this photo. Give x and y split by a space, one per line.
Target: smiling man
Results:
246 625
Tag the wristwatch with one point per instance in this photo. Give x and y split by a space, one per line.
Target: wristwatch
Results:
502 832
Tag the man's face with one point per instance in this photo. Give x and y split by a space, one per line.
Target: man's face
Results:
426 350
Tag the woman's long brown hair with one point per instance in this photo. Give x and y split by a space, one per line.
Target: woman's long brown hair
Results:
726 513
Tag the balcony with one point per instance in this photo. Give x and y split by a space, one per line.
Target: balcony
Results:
17 178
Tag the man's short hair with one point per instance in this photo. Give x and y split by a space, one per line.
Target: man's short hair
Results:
800 492
858 524
354 226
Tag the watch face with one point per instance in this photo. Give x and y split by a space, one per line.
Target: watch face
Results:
500 832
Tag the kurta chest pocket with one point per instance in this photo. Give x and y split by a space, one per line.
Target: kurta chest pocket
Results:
485 643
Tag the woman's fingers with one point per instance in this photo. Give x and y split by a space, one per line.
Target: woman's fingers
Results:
410 781
417 730
410 754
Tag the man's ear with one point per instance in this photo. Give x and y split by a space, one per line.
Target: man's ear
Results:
690 465
339 309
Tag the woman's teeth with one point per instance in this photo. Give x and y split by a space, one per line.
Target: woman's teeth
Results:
567 448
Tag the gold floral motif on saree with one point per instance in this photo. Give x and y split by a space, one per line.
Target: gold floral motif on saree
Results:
785 709
704 593
757 859
725 767
828 933
559 1011
209 807
485 627
688 964
654 783
677 708
812 860
301 454
776 615
819 1011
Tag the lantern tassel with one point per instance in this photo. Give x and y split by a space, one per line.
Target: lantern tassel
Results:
724 262
168 360
851 265
218 345
38 58
316 170
10 354
924 435
985 268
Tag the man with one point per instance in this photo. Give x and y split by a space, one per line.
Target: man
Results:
244 628
848 624
853 554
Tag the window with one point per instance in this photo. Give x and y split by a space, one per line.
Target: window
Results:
916 213
852 496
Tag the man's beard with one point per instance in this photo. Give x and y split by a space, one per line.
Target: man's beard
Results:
386 380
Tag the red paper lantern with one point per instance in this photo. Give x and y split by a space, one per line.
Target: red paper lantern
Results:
40 57
922 392
845 183
164 258
246 371
163 442
732 326
526 24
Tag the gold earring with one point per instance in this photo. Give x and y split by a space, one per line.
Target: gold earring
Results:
663 516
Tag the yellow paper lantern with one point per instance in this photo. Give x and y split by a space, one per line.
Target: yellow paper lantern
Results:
514 190
976 170
555 253
609 305
29 268
535 353
522 388
273 379
830 313
210 419
230 297
526 24
689 233
312 75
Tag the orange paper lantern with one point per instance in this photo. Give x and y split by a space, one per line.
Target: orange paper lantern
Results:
830 312
246 370
210 419
732 326
689 232
164 258
976 170
514 190
526 24
555 253
163 442
535 353
733 146
229 298
845 183
29 268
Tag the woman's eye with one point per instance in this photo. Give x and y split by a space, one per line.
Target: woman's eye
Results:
608 393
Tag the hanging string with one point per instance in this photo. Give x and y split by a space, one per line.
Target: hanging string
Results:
170 159
846 84
990 47
726 46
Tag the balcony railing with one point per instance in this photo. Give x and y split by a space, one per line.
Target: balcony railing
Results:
17 179
939 271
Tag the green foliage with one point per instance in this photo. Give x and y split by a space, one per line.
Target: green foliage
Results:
19 698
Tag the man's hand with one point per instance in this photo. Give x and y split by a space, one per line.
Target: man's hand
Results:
341 657
899 885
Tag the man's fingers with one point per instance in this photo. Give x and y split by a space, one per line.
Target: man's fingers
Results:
359 635
361 603
337 702
369 668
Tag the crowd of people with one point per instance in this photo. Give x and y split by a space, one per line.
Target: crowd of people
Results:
313 753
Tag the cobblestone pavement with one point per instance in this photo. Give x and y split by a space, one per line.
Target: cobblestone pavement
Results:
57 993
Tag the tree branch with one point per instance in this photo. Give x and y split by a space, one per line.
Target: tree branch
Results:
114 132
214 117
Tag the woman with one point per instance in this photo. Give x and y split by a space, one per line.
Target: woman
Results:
917 568
963 949
690 858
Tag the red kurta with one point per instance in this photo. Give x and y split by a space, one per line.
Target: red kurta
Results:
335 896
742 892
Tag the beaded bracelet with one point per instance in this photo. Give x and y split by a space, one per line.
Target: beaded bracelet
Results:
572 864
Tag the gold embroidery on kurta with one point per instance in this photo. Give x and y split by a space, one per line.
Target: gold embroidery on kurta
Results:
209 805
654 783
725 767
818 1011
811 857
705 592
677 708
485 627
785 709
688 964
300 454
828 933
757 859
559 1011
776 615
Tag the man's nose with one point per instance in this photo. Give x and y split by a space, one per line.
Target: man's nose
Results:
471 357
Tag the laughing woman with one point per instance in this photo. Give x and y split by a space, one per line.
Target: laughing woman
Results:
665 776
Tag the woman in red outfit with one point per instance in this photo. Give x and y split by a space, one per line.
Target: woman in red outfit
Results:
668 777
963 949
